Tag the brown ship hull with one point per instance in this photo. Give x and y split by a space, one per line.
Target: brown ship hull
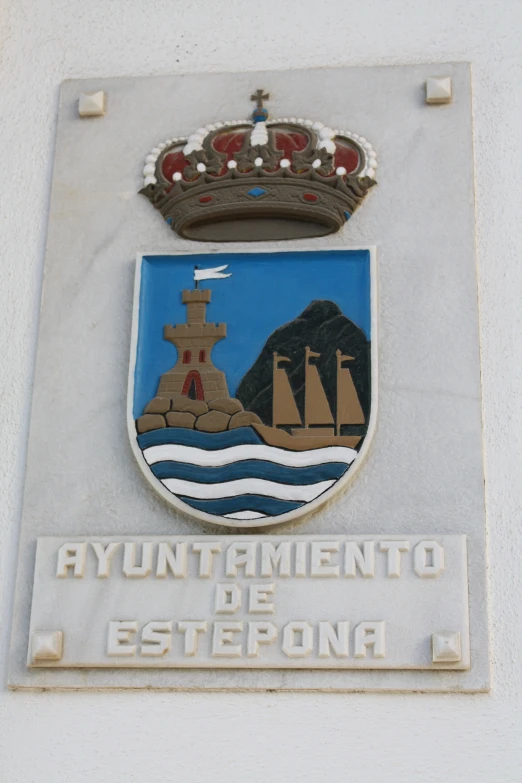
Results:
283 440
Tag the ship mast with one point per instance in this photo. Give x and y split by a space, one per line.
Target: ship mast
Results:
317 408
348 408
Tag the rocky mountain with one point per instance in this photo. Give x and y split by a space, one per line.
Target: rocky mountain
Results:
323 327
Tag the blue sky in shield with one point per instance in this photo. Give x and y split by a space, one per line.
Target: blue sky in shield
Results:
266 290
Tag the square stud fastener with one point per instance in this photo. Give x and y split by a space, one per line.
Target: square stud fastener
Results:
446 647
438 90
92 104
47 646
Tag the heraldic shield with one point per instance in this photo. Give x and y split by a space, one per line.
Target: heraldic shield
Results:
252 380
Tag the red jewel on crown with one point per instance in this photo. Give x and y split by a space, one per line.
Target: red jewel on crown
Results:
259 179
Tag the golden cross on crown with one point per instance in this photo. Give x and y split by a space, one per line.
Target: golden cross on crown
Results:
259 97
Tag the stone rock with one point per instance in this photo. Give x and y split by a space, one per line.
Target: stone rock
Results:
182 404
243 419
150 421
158 405
181 419
213 421
226 405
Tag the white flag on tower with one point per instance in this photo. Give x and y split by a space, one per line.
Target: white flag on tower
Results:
215 273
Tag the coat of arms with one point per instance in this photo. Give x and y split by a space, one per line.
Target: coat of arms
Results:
251 378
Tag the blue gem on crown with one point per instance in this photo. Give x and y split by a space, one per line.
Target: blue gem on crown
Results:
256 192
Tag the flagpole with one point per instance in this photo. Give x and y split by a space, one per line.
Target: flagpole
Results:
195 280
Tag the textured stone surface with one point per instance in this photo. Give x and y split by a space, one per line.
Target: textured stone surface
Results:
181 419
213 421
197 407
150 421
226 405
243 419
158 405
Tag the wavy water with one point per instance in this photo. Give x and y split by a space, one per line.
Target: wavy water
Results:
236 475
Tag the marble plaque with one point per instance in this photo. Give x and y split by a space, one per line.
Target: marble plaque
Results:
267 602
379 220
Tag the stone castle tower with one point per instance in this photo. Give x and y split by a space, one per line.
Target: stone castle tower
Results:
194 376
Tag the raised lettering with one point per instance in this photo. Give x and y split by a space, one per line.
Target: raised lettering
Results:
119 637
370 635
104 555
228 598
71 556
300 558
301 648
259 633
321 559
259 601
206 551
355 559
223 640
335 640
394 550
275 557
156 638
191 629
241 556
175 561
130 568
428 559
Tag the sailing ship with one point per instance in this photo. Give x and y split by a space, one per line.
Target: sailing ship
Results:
319 427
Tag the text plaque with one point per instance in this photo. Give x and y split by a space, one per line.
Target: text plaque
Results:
300 602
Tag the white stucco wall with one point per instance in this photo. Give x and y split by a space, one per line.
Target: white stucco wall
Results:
55 737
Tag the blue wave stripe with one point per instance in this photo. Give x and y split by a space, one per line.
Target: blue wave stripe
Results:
264 505
249 468
202 440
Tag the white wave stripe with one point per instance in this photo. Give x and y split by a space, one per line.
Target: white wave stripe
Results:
246 514
247 486
218 457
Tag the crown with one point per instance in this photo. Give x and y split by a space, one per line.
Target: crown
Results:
259 179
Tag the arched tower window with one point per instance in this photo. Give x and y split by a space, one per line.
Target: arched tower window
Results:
193 387
186 357
202 356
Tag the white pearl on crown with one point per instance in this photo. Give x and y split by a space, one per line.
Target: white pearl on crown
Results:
258 136
188 148
328 145
326 133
